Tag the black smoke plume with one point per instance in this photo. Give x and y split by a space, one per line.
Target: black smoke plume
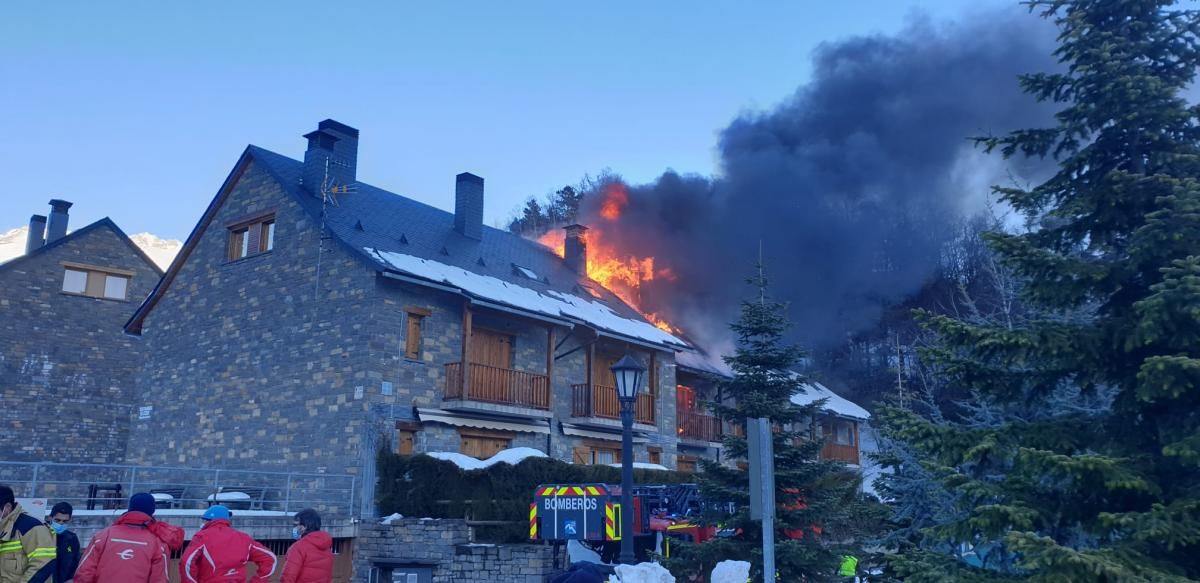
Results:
851 185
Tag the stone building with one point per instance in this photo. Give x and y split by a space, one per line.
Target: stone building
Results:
66 367
310 314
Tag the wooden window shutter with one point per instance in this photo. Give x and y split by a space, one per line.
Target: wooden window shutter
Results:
95 284
404 442
412 336
254 232
581 455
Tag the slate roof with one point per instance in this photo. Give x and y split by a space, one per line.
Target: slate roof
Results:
370 218
78 233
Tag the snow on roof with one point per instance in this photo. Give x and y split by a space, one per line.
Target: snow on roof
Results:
703 362
512 456
550 303
836 404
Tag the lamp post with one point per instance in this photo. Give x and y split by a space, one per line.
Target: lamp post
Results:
628 373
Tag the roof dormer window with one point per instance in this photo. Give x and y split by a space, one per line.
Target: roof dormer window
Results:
525 272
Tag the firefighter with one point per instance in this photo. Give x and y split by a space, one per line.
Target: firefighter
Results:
27 546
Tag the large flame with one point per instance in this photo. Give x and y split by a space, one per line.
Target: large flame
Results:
622 273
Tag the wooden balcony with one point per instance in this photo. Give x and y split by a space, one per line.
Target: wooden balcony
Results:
601 401
502 386
697 425
839 452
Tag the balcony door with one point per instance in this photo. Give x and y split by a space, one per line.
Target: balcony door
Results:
492 351
491 348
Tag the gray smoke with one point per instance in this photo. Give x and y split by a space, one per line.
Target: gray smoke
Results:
851 185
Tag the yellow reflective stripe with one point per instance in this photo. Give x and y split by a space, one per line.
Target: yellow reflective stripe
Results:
41 552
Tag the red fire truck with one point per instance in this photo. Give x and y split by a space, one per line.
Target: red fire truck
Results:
591 514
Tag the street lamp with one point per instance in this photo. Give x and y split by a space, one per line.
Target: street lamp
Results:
628 374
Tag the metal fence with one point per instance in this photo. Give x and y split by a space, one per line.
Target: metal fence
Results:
103 486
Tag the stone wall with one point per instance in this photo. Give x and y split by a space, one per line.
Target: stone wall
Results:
490 563
443 549
66 367
259 362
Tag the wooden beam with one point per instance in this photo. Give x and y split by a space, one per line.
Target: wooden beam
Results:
466 346
550 356
590 359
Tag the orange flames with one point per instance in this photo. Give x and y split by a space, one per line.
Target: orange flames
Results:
622 273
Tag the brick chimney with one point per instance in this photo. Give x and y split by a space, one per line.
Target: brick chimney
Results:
468 205
57 227
37 234
575 248
334 146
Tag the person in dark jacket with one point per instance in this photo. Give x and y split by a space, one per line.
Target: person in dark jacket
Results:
66 559
309 560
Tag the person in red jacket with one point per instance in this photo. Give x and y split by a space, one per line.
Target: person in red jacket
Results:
310 560
127 551
219 553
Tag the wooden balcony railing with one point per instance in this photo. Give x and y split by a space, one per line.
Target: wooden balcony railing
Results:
696 425
601 401
490 384
839 452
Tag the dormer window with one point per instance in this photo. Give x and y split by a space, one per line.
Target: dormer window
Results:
591 291
526 272
251 237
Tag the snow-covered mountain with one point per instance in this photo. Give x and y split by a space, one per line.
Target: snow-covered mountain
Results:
161 251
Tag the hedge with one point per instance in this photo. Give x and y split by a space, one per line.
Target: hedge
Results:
421 486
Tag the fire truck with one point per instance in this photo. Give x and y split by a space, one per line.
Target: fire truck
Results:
591 514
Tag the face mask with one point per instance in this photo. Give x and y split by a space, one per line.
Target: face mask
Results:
58 528
295 533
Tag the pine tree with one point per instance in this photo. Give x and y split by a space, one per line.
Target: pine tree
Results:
1079 457
820 511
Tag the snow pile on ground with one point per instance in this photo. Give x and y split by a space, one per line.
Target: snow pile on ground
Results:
642 573
578 553
643 466
512 456
731 572
550 303
391 518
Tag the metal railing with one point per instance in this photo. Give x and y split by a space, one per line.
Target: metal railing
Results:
108 486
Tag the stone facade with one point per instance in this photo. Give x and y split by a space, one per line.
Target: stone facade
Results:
295 358
263 361
66 367
441 551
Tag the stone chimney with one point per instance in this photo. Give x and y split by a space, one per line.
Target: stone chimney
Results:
575 248
37 234
57 227
468 205
333 147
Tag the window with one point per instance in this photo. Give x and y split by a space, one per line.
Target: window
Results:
483 444
404 442
267 239
597 454
654 455
250 237
414 321
686 464
96 282
75 281
114 286
838 431
525 272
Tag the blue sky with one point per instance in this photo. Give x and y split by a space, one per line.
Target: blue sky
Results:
137 110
